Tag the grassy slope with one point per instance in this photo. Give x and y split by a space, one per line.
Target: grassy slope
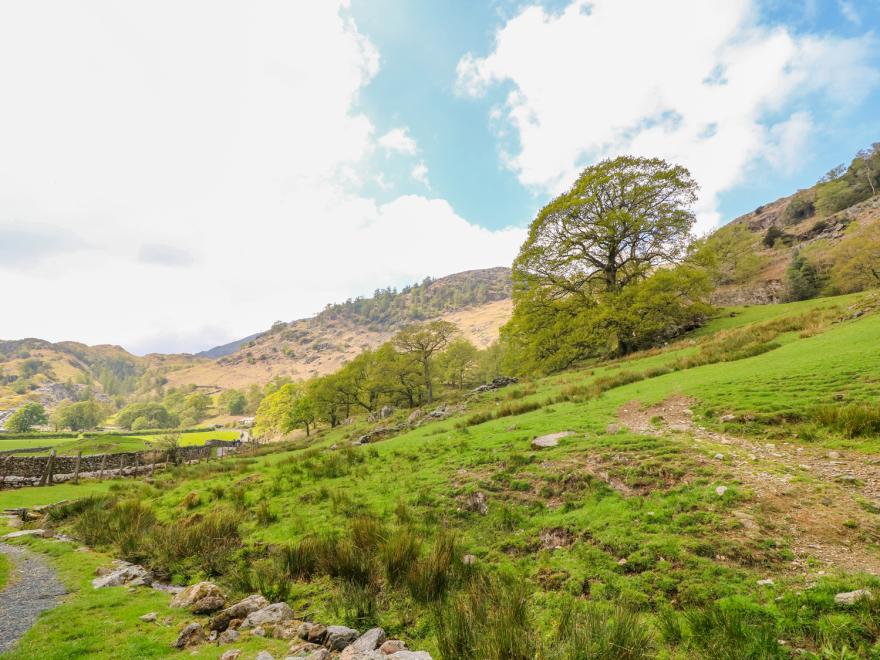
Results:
670 529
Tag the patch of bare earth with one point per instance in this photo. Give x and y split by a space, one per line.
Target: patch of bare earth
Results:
820 501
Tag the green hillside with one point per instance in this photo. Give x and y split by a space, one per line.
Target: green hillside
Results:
740 453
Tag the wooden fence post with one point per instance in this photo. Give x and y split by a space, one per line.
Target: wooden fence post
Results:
121 464
46 477
103 464
79 455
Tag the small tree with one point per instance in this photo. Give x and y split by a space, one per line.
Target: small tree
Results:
233 402
287 408
802 279
459 360
422 341
26 418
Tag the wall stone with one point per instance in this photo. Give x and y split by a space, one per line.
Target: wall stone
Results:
16 471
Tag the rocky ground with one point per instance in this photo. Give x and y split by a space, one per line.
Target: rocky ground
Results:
821 502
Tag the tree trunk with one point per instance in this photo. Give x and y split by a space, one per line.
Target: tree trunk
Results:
428 385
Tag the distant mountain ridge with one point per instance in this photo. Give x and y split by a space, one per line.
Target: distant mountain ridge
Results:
226 349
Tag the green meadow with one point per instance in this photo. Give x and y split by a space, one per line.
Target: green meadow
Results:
617 542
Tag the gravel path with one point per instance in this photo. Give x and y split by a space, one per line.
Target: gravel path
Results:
33 588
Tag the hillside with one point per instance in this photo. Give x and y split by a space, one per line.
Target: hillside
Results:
477 301
37 370
833 225
716 498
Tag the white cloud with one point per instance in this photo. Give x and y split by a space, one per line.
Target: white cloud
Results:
219 137
850 12
398 140
420 174
607 77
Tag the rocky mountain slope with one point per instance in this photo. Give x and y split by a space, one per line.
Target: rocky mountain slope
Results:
477 301
49 373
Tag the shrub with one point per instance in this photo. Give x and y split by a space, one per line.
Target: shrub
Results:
491 620
773 234
594 633
731 630
399 555
852 421
430 578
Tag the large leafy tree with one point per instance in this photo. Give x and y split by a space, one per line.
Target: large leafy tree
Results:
575 278
621 219
26 418
422 341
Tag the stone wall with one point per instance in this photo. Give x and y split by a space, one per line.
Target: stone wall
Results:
27 470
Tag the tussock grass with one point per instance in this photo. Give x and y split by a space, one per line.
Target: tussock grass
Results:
852 421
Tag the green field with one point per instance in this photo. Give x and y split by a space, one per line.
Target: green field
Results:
111 443
643 537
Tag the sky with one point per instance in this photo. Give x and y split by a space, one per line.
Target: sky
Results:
178 174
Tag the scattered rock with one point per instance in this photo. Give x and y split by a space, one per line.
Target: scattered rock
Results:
228 636
550 440
611 429
555 538
286 630
191 635
231 654
338 637
198 592
302 648
393 646
767 582
239 611
319 654
851 597
477 502
721 490
719 457
207 605
833 454
469 560
496 384
130 575
410 655
150 617
414 416
264 655
317 633
270 615
726 419
26 532
259 631
367 642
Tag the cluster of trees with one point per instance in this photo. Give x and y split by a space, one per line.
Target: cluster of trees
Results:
80 415
404 372
844 185
26 418
417 302
609 267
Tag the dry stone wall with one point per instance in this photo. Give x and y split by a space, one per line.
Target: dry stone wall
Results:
28 470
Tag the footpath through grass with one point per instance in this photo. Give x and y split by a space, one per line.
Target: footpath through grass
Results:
624 537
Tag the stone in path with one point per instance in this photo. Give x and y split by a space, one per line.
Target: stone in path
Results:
33 588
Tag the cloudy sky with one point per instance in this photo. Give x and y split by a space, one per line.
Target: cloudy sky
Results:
177 174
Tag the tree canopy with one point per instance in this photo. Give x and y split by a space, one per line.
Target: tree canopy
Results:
596 256
26 418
